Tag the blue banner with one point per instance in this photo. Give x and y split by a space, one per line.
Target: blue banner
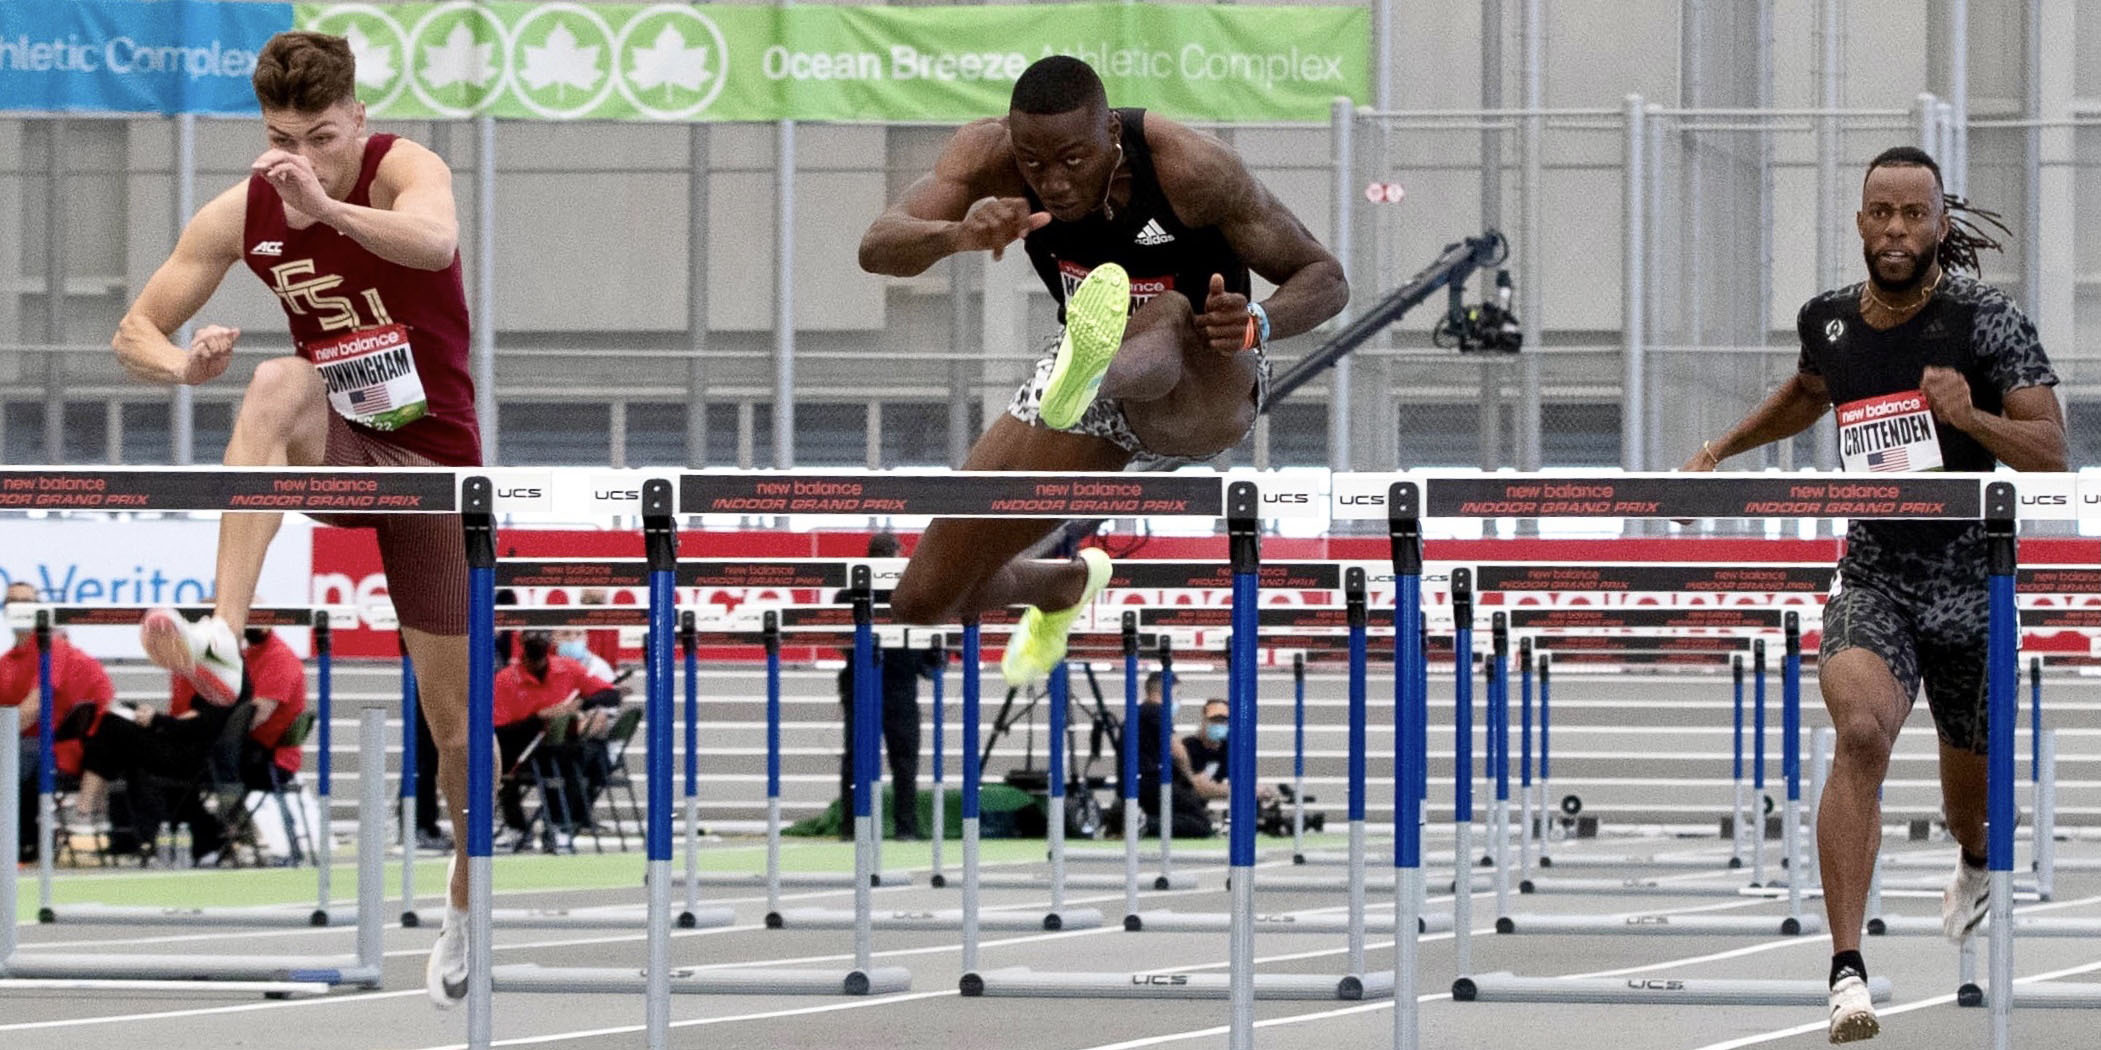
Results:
133 56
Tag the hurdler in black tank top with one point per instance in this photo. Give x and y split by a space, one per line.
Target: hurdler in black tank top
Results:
1145 238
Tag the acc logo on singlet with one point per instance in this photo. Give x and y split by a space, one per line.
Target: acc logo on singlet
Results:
671 61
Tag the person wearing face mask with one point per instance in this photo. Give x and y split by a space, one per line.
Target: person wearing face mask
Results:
1193 789
79 684
575 644
540 688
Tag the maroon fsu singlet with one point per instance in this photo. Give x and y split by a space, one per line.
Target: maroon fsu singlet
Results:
390 341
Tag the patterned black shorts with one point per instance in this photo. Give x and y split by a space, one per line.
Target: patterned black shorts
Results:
1926 614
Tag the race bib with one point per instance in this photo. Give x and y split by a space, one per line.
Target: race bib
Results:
1888 433
371 377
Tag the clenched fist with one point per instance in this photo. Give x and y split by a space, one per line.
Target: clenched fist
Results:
211 350
992 223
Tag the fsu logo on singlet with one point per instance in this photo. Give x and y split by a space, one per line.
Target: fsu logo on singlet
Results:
305 293
1143 289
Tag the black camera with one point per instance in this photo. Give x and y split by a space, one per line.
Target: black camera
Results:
1486 327
1276 819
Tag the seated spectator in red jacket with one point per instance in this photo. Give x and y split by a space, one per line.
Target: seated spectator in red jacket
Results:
537 690
278 678
77 682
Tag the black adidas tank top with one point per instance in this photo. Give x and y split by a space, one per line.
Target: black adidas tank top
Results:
1155 248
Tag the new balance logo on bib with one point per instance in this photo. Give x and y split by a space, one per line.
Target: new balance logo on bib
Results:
1893 432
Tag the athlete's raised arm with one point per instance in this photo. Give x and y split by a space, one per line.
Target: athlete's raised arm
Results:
964 204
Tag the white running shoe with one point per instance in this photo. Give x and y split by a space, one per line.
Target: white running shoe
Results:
1966 901
445 975
206 653
1852 1010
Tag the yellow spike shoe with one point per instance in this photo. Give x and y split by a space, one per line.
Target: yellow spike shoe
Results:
1038 642
1094 320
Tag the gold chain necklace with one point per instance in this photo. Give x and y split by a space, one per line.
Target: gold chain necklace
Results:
1867 291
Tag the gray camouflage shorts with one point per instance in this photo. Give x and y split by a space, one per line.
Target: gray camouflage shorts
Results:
1926 614
1104 418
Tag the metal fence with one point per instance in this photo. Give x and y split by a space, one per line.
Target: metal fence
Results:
1658 256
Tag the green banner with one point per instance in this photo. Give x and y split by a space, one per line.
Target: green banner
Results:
680 62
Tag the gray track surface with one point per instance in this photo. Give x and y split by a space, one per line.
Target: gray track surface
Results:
934 1016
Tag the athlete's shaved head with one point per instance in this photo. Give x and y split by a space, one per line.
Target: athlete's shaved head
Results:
1059 84
1065 136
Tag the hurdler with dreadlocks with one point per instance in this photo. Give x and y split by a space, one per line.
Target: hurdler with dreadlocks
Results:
1929 369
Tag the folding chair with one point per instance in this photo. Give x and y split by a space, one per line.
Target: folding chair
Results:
265 782
613 771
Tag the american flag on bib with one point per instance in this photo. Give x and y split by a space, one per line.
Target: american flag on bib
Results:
375 399
1889 459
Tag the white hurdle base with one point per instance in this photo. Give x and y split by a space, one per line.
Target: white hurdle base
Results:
801 880
1169 921
1634 888
166 989
271 917
937 920
614 917
2061 995
1022 982
1016 880
2023 926
2021 887
1692 861
1510 988
1664 925
531 977
1378 882
295 969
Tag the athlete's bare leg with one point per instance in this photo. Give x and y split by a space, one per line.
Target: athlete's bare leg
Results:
1963 796
1154 356
966 565
441 680
283 422
1867 709
1180 396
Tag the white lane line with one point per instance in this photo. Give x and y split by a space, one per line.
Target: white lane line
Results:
163 1015
1921 1004
571 942
801 1011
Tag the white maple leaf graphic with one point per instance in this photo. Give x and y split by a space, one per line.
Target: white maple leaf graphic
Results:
561 62
459 61
670 63
375 61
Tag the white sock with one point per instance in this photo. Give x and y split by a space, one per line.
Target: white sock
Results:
454 917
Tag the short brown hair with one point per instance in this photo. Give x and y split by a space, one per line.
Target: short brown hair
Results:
305 72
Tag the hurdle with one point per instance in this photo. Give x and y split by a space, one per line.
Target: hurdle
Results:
1646 619
1240 985
968 918
280 976
794 573
1353 922
319 619
1665 496
1795 923
230 489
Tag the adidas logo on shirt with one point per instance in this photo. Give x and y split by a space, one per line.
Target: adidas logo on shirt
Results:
1152 234
268 248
